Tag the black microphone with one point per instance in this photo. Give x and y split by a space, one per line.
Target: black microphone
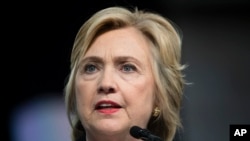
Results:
143 134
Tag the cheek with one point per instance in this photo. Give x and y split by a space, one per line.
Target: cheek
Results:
84 97
141 97
144 90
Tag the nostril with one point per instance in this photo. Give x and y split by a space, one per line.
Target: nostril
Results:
106 90
111 90
100 90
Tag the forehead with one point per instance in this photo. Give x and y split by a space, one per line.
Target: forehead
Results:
125 41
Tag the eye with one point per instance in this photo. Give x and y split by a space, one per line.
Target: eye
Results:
128 68
90 68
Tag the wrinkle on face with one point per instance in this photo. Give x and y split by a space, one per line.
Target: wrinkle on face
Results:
134 89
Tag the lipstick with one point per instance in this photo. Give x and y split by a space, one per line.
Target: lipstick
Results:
107 107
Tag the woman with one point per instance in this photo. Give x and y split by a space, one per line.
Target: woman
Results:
125 71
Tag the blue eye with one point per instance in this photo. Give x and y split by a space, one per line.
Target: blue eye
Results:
128 68
90 68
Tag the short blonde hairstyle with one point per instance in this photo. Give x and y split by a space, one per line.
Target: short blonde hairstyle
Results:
166 51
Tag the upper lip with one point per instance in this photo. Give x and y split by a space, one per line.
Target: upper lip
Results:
106 104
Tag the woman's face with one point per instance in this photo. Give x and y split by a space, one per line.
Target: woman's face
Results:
115 84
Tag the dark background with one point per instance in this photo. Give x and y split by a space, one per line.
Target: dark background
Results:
38 37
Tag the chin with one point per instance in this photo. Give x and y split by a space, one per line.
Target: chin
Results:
111 128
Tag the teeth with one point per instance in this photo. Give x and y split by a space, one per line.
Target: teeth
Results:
105 105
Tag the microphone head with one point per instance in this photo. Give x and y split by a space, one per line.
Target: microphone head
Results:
143 134
135 132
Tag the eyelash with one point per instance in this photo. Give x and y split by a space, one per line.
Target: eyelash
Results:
88 68
130 67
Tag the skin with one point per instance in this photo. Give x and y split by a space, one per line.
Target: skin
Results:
116 68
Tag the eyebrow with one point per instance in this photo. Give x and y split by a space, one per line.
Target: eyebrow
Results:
90 59
125 58
116 59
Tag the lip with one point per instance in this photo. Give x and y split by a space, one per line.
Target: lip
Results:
107 107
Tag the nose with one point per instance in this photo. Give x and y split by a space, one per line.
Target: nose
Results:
107 83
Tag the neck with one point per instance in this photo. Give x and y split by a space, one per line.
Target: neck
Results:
120 137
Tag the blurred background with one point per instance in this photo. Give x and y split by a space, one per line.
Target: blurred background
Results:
39 36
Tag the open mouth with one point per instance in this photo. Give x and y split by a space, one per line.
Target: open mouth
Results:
106 105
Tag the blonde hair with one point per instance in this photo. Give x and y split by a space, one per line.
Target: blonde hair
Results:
166 52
